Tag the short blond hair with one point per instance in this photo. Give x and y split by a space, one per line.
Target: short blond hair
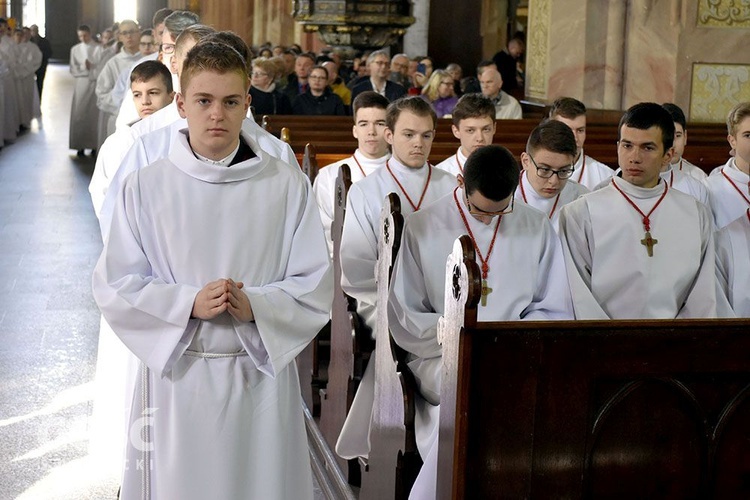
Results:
212 56
736 115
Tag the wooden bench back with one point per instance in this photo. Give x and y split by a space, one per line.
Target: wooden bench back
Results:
591 409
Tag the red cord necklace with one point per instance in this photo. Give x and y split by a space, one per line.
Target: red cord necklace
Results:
360 166
460 167
486 290
647 241
737 187
523 195
424 191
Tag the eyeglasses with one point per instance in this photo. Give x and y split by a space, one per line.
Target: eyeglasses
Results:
481 213
258 74
546 172
316 77
129 32
147 44
167 48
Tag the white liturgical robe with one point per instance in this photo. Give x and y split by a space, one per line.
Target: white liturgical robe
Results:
609 268
728 193
108 161
526 193
733 263
221 398
589 172
526 274
359 255
153 146
679 181
29 58
453 164
693 171
84 114
324 186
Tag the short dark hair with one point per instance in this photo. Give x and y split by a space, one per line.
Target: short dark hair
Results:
81 27
148 32
160 15
473 106
493 171
413 104
318 66
147 70
485 63
553 136
212 56
307 55
677 114
567 107
233 40
368 99
645 115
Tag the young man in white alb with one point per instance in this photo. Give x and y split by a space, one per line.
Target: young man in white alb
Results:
370 155
521 265
636 248
547 164
410 130
474 126
728 187
588 171
680 141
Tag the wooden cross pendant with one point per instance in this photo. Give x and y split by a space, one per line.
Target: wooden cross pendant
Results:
485 292
649 243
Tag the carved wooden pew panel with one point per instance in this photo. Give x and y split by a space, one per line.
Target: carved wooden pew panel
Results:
394 460
591 409
350 344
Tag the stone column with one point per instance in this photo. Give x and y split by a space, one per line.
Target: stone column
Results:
415 39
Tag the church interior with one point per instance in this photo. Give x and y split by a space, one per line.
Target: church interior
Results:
586 417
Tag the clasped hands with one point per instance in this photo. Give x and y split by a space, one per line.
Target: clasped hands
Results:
223 295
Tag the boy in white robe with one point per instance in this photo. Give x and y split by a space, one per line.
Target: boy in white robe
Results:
216 305
547 165
572 112
522 267
733 263
151 90
371 154
474 126
728 185
680 141
410 130
638 249
156 143
84 114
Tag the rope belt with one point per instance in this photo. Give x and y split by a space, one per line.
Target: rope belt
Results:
214 355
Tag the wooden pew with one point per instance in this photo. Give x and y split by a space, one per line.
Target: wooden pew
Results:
394 461
590 409
350 345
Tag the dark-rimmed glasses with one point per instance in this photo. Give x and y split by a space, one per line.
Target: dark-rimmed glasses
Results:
481 213
546 172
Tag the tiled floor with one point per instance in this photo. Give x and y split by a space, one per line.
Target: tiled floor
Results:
49 243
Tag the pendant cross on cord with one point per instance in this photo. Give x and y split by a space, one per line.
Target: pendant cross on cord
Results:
649 243
486 290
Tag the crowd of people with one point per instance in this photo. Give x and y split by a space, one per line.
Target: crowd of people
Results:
24 55
216 271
